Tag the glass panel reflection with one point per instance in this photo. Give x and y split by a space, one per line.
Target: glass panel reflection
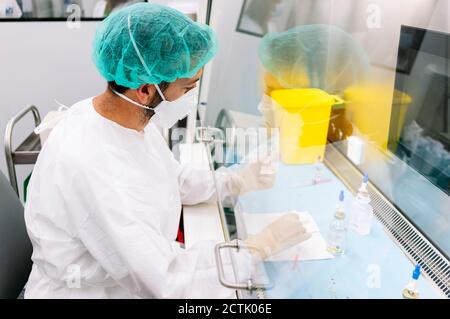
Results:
368 78
420 134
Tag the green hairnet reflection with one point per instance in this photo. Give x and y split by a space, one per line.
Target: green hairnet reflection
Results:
318 56
172 45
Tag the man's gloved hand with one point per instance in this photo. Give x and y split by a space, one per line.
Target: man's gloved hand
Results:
281 234
267 110
253 176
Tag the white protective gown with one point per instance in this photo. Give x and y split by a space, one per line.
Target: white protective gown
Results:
103 213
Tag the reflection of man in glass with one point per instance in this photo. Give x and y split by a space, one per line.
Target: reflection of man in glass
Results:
259 14
104 7
309 56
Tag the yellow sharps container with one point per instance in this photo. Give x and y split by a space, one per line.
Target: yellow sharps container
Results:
378 111
302 116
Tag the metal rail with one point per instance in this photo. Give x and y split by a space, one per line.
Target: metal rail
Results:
27 151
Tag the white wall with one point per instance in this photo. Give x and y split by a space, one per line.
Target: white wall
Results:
40 62
235 67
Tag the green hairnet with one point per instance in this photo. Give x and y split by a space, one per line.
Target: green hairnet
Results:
319 56
171 45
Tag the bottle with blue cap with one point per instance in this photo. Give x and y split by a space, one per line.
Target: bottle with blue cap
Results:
337 232
410 291
361 215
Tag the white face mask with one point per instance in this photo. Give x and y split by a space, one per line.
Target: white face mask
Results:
167 113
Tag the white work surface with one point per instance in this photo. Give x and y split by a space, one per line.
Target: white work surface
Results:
312 249
201 222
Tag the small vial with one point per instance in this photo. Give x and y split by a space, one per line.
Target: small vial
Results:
410 291
337 232
317 178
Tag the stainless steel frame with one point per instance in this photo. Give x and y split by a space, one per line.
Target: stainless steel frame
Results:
27 152
250 285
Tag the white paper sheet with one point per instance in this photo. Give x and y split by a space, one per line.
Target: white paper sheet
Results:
312 249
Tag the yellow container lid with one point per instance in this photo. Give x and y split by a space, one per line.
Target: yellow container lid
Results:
294 99
376 92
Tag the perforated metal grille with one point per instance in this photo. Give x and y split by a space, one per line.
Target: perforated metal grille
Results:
416 246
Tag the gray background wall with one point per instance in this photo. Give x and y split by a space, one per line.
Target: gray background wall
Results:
40 62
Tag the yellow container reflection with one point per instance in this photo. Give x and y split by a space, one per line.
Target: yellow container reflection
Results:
377 112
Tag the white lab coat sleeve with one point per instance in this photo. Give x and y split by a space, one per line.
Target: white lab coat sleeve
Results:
122 232
197 185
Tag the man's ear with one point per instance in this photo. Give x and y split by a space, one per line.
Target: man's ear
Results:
145 93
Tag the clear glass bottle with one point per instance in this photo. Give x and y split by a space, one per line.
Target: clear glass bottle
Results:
361 215
337 232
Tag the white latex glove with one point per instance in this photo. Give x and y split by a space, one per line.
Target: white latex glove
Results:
267 110
281 234
253 176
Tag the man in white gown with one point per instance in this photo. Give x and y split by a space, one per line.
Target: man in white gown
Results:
106 193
